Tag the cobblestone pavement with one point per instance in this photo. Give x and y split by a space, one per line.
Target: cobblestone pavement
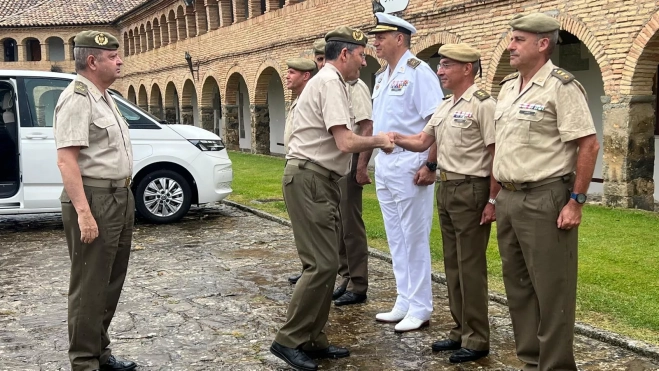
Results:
209 293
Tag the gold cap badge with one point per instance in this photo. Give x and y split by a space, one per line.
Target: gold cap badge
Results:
101 39
358 35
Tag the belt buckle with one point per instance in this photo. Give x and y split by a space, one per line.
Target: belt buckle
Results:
442 176
129 181
509 186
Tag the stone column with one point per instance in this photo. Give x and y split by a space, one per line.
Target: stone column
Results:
231 126
45 52
22 53
187 117
206 118
164 34
260 114
629 152
170 115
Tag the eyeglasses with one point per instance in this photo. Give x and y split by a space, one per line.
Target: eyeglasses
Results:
445 66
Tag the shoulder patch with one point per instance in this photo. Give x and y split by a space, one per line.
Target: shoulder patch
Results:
381 70
447 97
81 88
512 76
413 62
481 94
562 75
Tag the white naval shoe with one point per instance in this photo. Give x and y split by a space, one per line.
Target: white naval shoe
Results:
391 317
410 323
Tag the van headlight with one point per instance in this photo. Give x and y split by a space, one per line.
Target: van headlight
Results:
208 144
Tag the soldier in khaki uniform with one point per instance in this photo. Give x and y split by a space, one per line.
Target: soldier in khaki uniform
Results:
319 52
300 71
95 158
546 153
319 154
463 128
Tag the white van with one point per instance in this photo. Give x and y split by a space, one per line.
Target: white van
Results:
174 165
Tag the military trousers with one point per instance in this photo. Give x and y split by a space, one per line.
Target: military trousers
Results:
312 201
353 245
98 271
539 273
460 205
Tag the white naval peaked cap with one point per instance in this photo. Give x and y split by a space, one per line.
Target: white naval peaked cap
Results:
388 23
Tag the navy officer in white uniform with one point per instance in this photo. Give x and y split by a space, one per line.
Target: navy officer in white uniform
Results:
406 94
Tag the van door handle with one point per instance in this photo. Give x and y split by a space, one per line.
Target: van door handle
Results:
36 136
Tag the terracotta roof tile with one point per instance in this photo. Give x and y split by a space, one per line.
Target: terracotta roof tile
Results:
22 13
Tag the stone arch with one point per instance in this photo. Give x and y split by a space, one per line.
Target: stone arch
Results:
268 109
173 29
149 36
156 33
138 40
172 109
641 62
155 101
55 49
237 116
32 47
189 104
143 42
425 43
10 47
142 98
72 45
180 23
211 105
132 97
164 31
131 41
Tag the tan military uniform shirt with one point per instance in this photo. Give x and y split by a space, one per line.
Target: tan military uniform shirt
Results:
89 119
323 104
536 128
360 100
288 128
463 129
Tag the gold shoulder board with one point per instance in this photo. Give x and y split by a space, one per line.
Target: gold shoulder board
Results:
80 88
562 75
446 97
413 62
512 76
481 95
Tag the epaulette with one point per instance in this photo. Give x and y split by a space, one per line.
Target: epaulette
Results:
413 62
81 88
447 97
381 70
562 75
481 94
513 75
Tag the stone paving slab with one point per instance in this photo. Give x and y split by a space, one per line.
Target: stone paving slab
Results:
210 292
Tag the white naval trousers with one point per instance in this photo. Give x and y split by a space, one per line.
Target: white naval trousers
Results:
407 213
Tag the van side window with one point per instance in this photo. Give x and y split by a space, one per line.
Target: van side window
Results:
42 95
136 119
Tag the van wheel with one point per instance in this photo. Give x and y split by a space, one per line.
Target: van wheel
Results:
163 196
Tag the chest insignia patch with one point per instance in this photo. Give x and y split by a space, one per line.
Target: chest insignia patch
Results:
399 85
462 115
535 107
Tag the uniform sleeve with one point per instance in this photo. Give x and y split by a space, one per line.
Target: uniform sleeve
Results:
335 105
362 107
427 92
72 119
485 116
572 113
432 125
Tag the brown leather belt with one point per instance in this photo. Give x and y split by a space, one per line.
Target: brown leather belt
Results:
515 187
107 183
446 176
306 164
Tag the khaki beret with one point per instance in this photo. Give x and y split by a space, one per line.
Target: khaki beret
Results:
319 46
96 39
301 64
534 22
347 35
459 52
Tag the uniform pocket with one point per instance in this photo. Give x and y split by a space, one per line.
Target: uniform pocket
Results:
462 131
524 124
105 132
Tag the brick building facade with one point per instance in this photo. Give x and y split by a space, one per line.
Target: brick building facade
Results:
238 50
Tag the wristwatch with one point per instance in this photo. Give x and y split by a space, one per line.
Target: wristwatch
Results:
579 197
492 201
432 166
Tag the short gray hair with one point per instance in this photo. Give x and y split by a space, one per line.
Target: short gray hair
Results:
553 40
80 55
333 49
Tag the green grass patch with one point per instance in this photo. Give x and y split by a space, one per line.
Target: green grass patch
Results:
618 254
